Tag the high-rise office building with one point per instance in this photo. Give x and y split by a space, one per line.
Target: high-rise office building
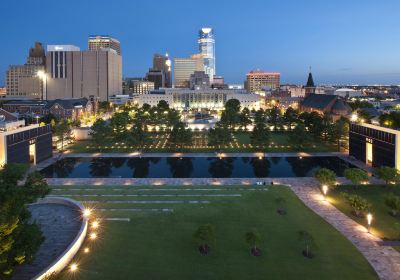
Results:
157 77
163 63
72 73
37 55
259 80
185 67
22 81
207 50
98 42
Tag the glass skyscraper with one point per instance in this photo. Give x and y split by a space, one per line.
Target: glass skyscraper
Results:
207 50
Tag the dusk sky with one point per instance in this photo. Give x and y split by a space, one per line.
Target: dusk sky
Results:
344 41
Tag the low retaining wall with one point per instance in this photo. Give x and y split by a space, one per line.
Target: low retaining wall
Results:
65 258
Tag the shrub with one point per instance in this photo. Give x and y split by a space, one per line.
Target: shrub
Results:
393 202
356 175
325 176
387 174
359 205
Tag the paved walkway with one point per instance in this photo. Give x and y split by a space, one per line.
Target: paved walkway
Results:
385 260
59 224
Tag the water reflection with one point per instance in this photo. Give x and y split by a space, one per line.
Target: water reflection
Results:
197 167
220 168
180 167
260 167
101 167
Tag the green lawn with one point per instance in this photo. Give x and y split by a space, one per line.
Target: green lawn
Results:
241 143
383 225
160 246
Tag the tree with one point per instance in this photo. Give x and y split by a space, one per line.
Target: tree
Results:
162 106
136 136
338 132
299 138
281 202
63 132
387 174
119 125
100 132
204 236
290 117
219 136
393 202
180 136
308 242
325 177
252 239
274 117
260 135
356 175
259 116
19 239
244 118
230 116
173 118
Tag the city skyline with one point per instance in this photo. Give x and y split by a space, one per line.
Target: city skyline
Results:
293 37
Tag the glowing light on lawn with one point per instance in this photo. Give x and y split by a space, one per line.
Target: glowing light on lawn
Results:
369 220
95 224
73 267
86 250
324 190
87 212
93 236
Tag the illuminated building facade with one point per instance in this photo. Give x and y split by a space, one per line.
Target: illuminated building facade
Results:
72 73
206 43
22 81
184 68
187 99
259 80
375 145
98 42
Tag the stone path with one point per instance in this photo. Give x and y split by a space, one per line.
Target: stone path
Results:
385 260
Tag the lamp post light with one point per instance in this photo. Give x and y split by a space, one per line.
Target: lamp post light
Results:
325 190
42 75
369 221
37 119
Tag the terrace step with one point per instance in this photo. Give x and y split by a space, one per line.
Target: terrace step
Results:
149 201
136 210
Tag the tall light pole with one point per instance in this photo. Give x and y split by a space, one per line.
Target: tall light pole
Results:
42 75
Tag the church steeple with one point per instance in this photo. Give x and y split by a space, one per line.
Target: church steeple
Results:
310 86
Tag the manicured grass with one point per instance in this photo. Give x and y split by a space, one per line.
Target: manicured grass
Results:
241 143
160 245
383 225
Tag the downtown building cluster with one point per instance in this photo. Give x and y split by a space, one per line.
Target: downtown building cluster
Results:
66 71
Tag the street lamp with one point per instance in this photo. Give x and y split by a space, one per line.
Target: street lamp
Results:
369 220
42 75
354 117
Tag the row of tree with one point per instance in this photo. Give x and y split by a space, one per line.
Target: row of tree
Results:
130 125
204 237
